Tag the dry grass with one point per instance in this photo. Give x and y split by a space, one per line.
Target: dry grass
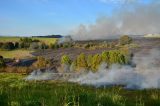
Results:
15 53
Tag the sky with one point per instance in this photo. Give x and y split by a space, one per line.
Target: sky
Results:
44 17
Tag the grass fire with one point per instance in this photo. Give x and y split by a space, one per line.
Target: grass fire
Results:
105 53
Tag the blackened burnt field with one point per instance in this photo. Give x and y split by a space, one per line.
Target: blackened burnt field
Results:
140 47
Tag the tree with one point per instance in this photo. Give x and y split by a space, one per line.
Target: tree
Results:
125 40
65 63
81 62
65 60
105 56
89 61
96 61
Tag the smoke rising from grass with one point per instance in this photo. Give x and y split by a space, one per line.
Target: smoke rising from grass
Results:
133 18
144 75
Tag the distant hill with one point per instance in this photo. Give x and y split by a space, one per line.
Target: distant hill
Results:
49 36
152 36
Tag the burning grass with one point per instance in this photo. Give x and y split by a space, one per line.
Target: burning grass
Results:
15 91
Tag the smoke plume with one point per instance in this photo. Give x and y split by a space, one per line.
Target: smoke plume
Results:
133 18
144 75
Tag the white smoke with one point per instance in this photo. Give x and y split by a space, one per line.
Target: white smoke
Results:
39 75
133 18
145 75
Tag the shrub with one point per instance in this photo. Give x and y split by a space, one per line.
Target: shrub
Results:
65 60
105 56
125 40
35 40
16 45
81 62
89 61
1 44
42 62
26 40
43 46
34 45
2 63
8 46
96 61
56 46
52 46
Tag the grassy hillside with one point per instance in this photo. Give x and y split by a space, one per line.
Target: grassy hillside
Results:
14 91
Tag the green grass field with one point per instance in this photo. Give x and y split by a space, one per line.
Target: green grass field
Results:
16 39
15 91
19 53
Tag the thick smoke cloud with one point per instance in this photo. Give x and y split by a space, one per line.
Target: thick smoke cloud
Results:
145 75
133 18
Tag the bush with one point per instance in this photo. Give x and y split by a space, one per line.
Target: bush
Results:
125 40
24 45
16 45
105 56
8 46
2 63
42 62
34 45
1 44
81 62
89 61
26 40
43 46
96 61
52 46
65 60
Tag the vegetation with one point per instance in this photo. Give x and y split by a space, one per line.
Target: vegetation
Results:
41 39
94 46
2 63
125 40
42 62
14 91
65 60
18 53
15 69
96 61
92 62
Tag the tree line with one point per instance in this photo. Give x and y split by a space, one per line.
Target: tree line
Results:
92 62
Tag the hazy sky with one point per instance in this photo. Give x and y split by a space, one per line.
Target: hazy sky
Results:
42 17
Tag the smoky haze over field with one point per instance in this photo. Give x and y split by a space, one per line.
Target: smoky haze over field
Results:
131 18
144 75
